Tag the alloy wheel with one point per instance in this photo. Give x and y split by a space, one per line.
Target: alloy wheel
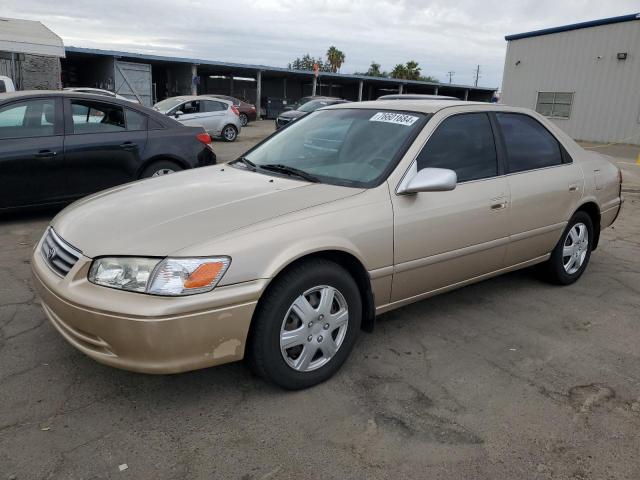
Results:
576 245
229 134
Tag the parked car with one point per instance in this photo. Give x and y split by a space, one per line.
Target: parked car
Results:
247 110
6 84
59 146
289 116
285 254
100 91
220 118
415 96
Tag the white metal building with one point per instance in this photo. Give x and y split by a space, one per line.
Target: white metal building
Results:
585 77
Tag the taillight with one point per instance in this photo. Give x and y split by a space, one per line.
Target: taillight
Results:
235 110
204 138
253 107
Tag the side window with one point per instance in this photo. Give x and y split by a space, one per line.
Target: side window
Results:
3 87
135 120
96 117
213 106
33 118
529 145
463 143
190 107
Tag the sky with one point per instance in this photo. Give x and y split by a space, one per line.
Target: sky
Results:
441 35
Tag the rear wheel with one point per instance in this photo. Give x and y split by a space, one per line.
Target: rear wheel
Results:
229 133
571 255
244 120
159 168
306 325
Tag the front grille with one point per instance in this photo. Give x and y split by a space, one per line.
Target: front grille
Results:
59 255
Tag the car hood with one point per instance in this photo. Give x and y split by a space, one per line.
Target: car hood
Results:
292 114
161 215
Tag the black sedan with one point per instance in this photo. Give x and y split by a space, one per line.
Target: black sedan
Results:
305 109
57 146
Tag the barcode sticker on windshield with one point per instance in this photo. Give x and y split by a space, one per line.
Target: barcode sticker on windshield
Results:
390 117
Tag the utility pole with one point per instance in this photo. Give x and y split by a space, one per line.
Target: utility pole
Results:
451 74
477 75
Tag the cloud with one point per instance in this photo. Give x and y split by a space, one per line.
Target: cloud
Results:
439 34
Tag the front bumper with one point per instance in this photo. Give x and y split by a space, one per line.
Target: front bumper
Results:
146 333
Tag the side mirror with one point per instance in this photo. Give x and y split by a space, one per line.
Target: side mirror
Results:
178 113
429 180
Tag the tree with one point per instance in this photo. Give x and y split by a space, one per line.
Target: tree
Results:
307 62
399 71
413 70
335 58
374 70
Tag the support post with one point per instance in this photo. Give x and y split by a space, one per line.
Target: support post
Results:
194 74
436 91
314 85
258 93
231 86
360 87
400 89
466 95
284 87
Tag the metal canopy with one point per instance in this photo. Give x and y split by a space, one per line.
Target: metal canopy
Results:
27 36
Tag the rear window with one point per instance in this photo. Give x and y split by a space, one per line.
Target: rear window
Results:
529 145
96 117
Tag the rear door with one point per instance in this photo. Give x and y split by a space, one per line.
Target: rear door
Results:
99 148
218 112
32 166
545 186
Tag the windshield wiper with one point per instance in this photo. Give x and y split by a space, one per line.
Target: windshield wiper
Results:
247 163
287 170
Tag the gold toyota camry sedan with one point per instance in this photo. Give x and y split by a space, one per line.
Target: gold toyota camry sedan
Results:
283 255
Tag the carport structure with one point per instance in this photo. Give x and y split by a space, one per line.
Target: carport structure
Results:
269 88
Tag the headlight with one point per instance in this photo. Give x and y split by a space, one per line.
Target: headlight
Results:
171 276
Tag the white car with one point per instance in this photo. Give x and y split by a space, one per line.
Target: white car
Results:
6 84
100 91
220 118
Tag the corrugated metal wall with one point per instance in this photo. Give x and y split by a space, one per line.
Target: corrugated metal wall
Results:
606 105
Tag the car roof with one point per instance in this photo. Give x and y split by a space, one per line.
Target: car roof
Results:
415 96
188 98
413 105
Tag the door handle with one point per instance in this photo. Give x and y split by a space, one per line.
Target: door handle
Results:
46 154
573 187
499 206
127 145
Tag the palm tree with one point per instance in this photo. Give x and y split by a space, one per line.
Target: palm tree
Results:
413 70
335 58
399 71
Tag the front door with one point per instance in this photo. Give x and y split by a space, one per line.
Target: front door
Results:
444 238
32 166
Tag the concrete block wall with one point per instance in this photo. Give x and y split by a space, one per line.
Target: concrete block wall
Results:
40 72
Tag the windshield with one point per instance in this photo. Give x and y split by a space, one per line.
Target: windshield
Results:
313 105
165 105
350 147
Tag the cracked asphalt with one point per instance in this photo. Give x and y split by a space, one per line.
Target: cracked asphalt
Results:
510 378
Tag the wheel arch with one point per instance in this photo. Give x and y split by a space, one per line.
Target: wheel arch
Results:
345 259
591 208
159 158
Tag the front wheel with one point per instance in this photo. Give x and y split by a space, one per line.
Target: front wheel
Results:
229 133
571 255
306 325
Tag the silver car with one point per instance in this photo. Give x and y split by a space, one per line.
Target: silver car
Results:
220 118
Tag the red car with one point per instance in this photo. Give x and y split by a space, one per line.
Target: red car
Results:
247 111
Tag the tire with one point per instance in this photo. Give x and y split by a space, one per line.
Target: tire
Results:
229 133
244 120
276 315
564 269
160 167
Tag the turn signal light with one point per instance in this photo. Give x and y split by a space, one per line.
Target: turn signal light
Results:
204 275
